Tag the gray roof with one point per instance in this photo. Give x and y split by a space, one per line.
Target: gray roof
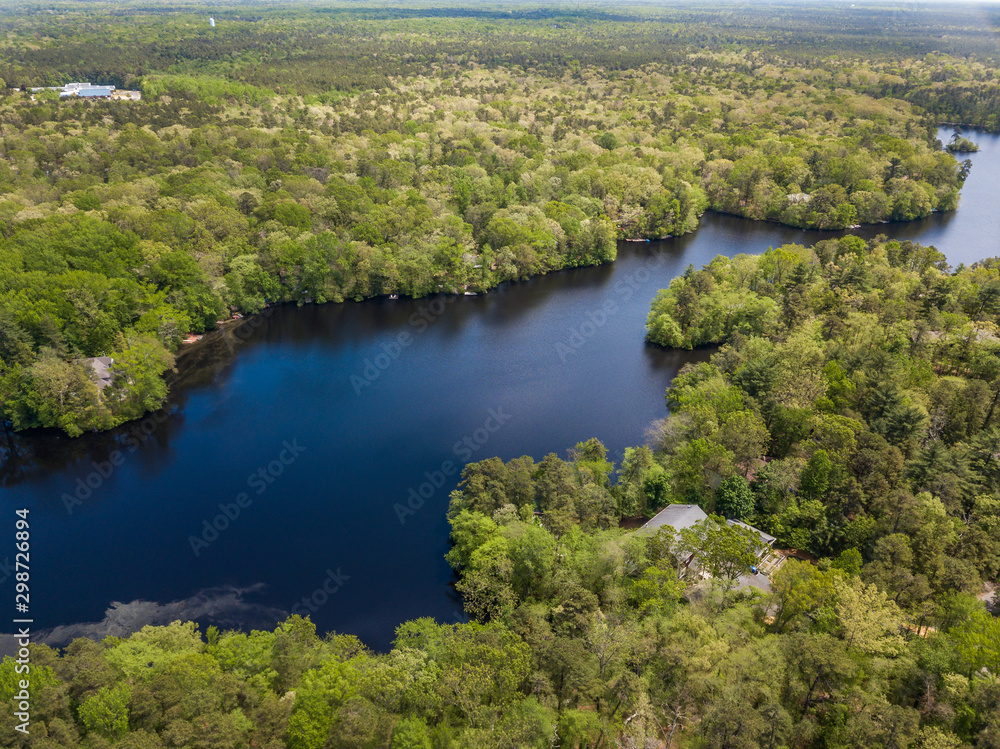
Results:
91 92
102 368
676 516
680 517
765 537
96 91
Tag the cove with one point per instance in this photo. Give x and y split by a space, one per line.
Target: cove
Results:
276 482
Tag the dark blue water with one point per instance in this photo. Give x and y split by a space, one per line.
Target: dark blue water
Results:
315 468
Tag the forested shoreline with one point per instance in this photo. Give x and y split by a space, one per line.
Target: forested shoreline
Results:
342 151
249 173
850 411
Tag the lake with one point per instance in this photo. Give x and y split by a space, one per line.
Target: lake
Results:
304 461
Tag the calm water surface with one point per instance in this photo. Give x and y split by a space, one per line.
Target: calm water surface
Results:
531 368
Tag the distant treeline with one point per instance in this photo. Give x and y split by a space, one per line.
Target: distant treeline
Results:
355 47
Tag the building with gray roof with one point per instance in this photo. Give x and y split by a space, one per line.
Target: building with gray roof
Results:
102 370
92 92
677 517
767 538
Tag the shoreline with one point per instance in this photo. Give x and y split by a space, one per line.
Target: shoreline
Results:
176 376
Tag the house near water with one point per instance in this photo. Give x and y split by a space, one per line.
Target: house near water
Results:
102 370
679 517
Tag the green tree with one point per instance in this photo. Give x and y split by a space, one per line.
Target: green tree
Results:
636 465
733 498
608 141
869 621
469 531
485 586
815 479
976 642
138 376
724 551
61 394
802 596
249 288
411 733
657 589
322 689
590 459
696 466
849 562
106 712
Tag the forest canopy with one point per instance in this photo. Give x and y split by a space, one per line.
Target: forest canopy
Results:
334 151
326 153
